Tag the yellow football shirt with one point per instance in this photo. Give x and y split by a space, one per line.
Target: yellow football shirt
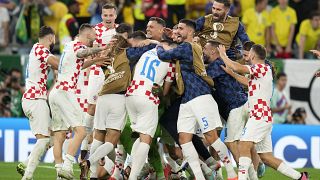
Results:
312 35
84 6
282 19
256 24
59 10
246 4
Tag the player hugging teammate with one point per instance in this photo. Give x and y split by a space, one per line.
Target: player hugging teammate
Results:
151 106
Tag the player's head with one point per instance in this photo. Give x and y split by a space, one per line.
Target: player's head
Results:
210 51
136 37
175 33
281 80
261 4
124 30
155 28
47 37
245 50
73 7
315 20
283 3
257 54
87 34
120 44
220 9
167 42
186 29
109 14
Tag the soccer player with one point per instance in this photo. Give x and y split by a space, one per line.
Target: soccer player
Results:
63 101
34 100
258 128
142 104
198 106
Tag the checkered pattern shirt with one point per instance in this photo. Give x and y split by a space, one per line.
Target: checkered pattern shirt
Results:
81 89
69 67
260 92
150 70
229 93
194 85
36 73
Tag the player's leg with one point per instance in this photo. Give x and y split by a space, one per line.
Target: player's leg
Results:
186 127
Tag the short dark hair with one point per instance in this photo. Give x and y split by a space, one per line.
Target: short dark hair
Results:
226 3
158 20
124 28
85 26
248 45
175 26
167 39
45 30
281 74
138 35
258 1
110 6
314 14
189 23
14 70
213 43
260 51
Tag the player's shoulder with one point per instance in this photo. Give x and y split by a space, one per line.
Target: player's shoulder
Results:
98 26
40 49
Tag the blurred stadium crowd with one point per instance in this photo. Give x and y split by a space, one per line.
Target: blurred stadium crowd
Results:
287 28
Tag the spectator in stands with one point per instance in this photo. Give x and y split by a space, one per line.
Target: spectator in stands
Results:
95 10
154 8
16 91
68 26
257 22
299 116
246 4
175 7
280 105
8 4
5 100
58 10
283 20
308 37
83 16
4 27
139 17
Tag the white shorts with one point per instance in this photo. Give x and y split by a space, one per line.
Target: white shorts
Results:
202 110
110 112
259 132
66 111
143 114
38 113
236 122
95 84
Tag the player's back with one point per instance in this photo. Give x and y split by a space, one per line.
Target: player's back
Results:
149 70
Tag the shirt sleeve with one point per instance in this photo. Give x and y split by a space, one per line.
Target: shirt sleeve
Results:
200 23
215 70
258 70
303 28
241 34
134 53
294 17
77 47
42 53
171 73
183 52
245 17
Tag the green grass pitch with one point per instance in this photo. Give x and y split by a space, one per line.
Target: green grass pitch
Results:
47 172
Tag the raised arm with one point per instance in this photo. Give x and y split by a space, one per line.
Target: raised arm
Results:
199 24
241 79
83 53
182 52
53 61
241 34
235 66
134 53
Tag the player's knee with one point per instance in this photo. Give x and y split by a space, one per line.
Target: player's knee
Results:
185 138
91 109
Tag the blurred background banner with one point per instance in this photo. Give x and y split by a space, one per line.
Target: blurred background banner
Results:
298 145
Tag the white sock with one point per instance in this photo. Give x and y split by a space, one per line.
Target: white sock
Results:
25 162
119 161
288 171
138 159
174 166
101 152
93 167
210 161
204 167
244 163
37 152
108 165
68 162
135 146
222 151
88 119
84 144
58 167
252 173
190 154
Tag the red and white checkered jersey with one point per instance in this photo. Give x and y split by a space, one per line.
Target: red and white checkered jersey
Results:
36 73
149 70
260 91
82 89
70 66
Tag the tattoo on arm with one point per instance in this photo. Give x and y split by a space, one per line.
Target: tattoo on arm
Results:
88 51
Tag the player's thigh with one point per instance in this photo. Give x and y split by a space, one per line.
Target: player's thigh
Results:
116 116
235 124
94 86
187 122
101 113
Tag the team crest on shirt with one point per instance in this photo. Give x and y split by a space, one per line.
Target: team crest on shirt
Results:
288 18
217 27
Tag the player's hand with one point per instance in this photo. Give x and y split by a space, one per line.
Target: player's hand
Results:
317 74
222 50
168 32
227 70
278 49
288 49
316 52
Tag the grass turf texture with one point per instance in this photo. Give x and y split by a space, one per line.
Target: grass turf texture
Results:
47 171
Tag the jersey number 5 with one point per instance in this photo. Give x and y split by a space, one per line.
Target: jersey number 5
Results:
151 68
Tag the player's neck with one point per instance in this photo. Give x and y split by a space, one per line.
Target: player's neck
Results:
109 26
44 43
82 39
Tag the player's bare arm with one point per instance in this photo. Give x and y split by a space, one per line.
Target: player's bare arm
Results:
53 61
95 60
241 79
235 66
89 51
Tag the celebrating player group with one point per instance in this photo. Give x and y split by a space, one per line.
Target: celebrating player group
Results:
137 103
